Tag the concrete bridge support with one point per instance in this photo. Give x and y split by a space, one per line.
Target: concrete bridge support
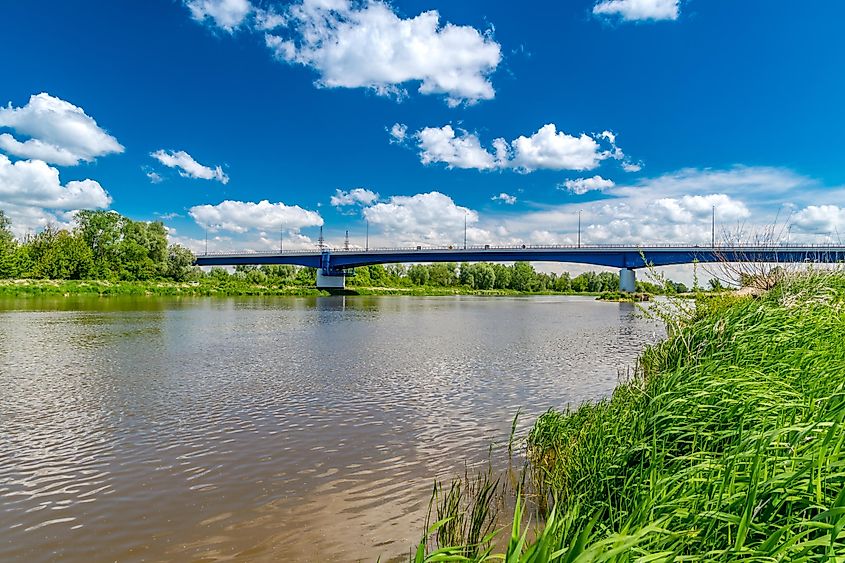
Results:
627 280
325 281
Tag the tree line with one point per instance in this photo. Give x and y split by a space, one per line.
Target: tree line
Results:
102 245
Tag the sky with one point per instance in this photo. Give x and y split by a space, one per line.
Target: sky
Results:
259 122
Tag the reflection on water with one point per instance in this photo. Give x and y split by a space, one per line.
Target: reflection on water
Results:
304 429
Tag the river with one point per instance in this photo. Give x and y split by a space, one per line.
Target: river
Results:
265 429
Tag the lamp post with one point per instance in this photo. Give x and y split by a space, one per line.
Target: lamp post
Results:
282 238
713 228
579 228
465 229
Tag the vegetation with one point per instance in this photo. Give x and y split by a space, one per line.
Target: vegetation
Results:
726 444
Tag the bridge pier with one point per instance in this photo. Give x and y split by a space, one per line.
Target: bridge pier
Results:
326 281
627 280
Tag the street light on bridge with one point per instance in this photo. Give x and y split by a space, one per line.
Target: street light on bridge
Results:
579 228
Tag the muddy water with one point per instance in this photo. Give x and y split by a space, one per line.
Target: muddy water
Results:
271 429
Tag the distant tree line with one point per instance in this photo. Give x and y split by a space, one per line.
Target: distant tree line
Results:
520 276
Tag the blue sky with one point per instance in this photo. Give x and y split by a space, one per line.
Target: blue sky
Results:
642 114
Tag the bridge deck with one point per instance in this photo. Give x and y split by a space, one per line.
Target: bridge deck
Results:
619 256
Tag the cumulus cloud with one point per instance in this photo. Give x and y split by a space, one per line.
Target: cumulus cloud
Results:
638 10
242 216
504 198
463 150
555 150
581 186
188 167
58 132
155 177
548 148
355 196
432 218
821 219
225 14
367 45
33 195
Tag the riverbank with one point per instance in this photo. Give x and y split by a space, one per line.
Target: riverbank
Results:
229 288
726 444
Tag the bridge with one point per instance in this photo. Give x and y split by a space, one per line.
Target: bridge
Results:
333 264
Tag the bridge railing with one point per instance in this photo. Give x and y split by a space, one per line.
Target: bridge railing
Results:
491 247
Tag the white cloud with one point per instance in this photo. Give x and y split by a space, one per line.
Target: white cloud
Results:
581 186
441 144
547 148
674 207
367 45
155 177
241 216
398 132
432 218
188 167
59 132
821 219
504 198
355 196
33 195
637 10
226 14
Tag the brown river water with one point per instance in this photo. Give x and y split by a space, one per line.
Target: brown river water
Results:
272 429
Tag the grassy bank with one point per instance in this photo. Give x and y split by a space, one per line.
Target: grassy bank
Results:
725 445
226 287
209 287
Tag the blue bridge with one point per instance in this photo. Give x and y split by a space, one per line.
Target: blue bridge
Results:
333 265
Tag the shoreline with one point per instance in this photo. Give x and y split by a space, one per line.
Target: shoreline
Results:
65 288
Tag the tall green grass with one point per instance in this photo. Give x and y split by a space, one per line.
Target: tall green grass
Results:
726 443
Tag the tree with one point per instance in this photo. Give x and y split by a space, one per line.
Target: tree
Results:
715 284
522 278
180 262
418 274
102 231
65 256
7 247
563 282
485 276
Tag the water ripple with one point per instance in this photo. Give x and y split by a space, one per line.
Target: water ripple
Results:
266 429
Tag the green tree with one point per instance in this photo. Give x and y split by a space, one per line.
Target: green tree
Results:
8 247
180 263
522 277
485 276
102 231
60 255
443 275
563 282
418 274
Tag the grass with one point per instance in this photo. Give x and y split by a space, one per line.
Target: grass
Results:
725 444
225 287
24 288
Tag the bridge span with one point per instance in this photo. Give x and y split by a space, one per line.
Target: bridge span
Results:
333 264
